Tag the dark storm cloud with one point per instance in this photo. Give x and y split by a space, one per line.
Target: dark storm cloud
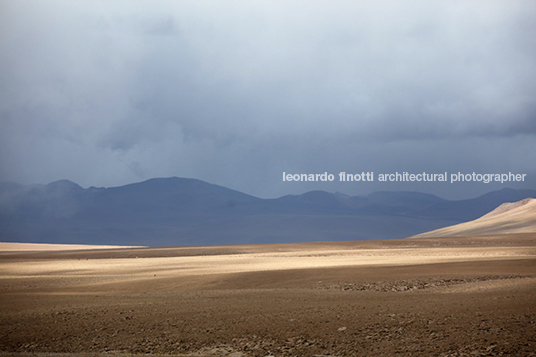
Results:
236 92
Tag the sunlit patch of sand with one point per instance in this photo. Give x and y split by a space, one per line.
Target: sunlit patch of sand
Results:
38 247
73 272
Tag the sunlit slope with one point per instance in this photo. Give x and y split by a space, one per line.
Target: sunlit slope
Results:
508 218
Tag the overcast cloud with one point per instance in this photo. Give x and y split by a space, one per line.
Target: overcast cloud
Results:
106 93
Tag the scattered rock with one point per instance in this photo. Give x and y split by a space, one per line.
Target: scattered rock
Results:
414 284
237 354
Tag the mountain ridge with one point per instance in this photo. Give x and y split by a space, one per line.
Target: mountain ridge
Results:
184 211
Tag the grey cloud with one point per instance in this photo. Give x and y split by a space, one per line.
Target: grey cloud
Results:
237 92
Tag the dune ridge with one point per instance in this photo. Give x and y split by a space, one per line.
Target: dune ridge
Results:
508 218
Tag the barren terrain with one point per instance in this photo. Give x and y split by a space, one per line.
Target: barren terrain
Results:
463 296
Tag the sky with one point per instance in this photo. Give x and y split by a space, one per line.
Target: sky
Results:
236 93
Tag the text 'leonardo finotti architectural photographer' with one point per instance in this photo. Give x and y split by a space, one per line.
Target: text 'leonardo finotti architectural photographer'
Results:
408 177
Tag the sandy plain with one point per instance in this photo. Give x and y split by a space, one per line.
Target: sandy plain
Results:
462 296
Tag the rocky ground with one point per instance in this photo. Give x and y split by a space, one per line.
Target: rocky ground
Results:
469 308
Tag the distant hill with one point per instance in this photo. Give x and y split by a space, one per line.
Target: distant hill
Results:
181 211
508 218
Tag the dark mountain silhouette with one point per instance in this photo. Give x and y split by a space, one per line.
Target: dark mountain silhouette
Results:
180 211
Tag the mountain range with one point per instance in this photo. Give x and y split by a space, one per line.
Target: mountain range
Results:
179 211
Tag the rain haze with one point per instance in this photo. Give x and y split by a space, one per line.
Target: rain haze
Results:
107 93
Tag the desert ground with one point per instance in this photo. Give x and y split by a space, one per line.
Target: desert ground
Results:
458 296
